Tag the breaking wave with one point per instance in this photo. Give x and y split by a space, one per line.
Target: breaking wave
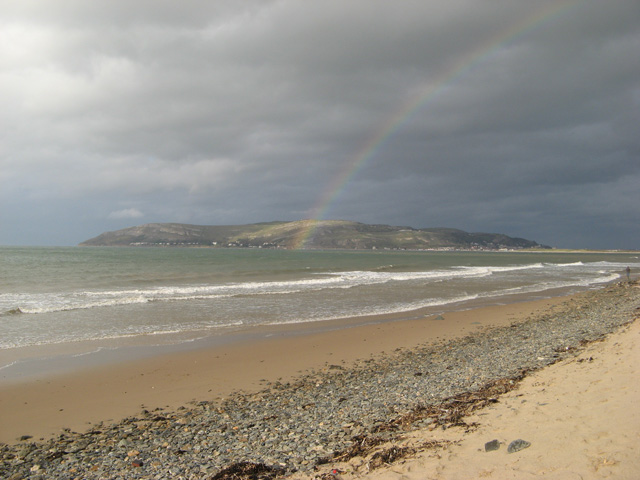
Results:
80 300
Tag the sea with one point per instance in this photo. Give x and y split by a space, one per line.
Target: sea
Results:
92 302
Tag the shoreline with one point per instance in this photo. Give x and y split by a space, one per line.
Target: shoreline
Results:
40 362
313 410
43 406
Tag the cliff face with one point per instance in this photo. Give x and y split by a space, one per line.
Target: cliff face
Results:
313 234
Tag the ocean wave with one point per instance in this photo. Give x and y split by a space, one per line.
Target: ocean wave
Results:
113 302
547 286
507 268
386 310
373 277
65 307
179 291
82 300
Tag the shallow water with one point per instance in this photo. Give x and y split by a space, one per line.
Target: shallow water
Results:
78 299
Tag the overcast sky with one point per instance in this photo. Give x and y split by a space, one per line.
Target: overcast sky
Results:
510 116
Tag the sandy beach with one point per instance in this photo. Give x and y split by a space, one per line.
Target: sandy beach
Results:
576 414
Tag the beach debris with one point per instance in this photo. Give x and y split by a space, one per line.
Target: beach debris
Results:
380 451
361 447
492 445
334 474
451 412
518 445
389 456
589 359
248 471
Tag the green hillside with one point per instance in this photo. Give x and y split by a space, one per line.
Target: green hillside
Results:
309 234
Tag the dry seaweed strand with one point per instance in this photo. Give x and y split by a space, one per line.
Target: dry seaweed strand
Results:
248 471
450 412
389 456
394 453
361 447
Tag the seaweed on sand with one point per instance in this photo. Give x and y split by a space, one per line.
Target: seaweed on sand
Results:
248 471
451 412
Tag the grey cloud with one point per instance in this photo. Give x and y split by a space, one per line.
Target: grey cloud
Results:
231 112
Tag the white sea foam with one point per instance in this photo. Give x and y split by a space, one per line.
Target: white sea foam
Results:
133 332
8 365
508 268
90 352
60 302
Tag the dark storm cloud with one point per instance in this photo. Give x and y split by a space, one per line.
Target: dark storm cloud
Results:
116 113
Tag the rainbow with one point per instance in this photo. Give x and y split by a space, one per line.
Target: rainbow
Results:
401 115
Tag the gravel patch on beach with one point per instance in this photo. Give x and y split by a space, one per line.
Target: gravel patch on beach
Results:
299 425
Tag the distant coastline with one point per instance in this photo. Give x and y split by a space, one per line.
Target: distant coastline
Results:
312 234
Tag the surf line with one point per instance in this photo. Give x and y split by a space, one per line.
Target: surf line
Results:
402 115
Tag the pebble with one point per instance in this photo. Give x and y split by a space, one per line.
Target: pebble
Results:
491 446
518 445
298 425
